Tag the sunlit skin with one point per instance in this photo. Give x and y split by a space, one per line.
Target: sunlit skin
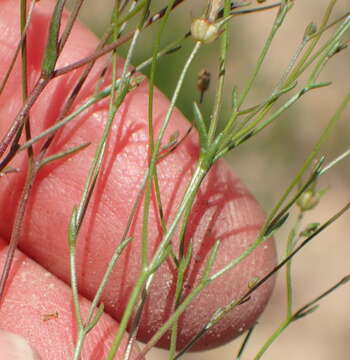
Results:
39 307
224 209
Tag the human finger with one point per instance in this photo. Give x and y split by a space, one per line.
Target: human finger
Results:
224 209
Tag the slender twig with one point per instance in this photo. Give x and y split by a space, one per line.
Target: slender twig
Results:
20 118
291 242
222 69
197 178
284 8
316 38
218 315
24 77
307 309
114 45
47 68
203 282
341 157
16 230
116 100
97 97
68 29
19 46
244 343
71 98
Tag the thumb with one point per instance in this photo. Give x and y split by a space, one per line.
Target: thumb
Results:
39 307
15 347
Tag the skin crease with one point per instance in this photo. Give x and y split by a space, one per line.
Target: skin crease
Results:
224 209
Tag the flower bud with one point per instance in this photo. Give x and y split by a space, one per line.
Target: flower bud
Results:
308 200
310 30
252 282
204 31
310 229
203 80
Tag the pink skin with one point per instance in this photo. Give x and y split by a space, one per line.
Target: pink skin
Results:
224 209
38 306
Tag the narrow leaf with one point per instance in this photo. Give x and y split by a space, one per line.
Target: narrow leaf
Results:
234 99
51 51
72 229
275 225
63 154
200 125
96 319
306 312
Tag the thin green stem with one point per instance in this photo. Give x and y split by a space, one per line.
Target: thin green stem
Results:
257 125
273 337
258 112
214 119
197 177
341 157
20 119
152 154
24 75
307 309
220 313
293 235
254 10
157 259
182 307
17 226
111 265
262 235
316 55
184 262
137 318
18 47
23 17
115 102
296 72
315 151
96 98
61 155
127 314
79 345
284 7
108 48
330 49
89 323
140 5
244 343
248 128
68 29
187 199
72 239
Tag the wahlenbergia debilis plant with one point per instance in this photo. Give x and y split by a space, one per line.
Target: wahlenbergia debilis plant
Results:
156 232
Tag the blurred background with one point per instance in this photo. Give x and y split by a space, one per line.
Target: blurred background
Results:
270 160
